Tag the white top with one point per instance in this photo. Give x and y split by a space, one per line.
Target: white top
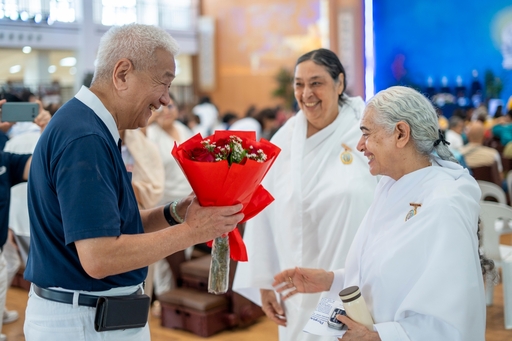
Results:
319 204
21 128
19 222
421 278
208 116
455 140
247 124
176 185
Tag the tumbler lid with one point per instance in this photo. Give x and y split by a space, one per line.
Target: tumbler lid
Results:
350 294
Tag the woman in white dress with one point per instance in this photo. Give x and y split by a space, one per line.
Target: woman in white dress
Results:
415 256
164 131
322 189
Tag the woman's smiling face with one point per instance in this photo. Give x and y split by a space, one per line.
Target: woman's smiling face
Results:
377 145
317 93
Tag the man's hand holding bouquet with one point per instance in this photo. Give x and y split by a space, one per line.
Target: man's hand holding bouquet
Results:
223 169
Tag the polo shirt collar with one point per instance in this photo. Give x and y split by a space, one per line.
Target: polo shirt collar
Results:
88 98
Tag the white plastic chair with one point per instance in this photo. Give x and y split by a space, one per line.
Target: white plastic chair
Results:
500 254
509 184
490 189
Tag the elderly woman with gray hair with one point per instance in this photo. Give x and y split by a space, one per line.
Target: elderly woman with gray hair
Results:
415 256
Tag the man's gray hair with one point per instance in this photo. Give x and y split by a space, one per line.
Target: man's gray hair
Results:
135 42
454 122
399 103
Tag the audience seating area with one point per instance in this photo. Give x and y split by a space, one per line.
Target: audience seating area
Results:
495 221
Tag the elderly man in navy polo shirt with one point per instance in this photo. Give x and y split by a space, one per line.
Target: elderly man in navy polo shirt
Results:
88 238
14 169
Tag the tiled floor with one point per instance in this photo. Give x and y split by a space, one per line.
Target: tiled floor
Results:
263 330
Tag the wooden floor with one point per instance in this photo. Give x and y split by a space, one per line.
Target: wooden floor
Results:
263 330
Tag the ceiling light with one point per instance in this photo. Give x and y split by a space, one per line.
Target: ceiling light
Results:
24 16
52 69
37 18
15 69
68 61
14 15
26 49
72 70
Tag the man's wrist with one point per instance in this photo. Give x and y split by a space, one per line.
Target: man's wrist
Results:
168 216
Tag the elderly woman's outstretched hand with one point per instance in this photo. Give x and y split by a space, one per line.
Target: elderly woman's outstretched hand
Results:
302 280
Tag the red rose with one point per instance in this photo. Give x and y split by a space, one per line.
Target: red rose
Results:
219 144
201 154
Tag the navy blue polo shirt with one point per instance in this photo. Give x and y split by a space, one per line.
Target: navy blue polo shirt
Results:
11 173
78 189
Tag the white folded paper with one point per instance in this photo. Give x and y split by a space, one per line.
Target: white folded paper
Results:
317 323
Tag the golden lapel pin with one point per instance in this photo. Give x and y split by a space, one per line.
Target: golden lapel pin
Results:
412 212
346 156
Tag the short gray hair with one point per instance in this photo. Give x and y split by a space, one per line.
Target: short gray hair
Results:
454 122
135 42
399 103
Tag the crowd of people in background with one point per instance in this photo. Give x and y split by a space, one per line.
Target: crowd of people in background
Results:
205 118
479 138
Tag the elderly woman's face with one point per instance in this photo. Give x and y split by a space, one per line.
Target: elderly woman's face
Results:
377 145
317 93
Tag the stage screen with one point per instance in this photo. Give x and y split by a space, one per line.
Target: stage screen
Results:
423 42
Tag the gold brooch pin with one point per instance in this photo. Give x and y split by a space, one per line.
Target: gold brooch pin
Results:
412 212
346 156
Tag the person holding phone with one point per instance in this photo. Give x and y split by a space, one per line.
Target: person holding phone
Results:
415 256
89 242
14 169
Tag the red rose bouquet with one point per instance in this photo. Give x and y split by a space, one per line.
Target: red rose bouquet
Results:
223 169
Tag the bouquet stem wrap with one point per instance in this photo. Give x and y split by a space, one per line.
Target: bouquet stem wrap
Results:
218 277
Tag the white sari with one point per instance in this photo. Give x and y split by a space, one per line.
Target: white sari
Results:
421 277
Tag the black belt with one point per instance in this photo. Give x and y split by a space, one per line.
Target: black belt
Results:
67 297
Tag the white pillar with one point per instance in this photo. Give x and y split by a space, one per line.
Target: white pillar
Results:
36 70
88 43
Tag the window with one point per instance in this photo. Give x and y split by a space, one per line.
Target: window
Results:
173 15
118 12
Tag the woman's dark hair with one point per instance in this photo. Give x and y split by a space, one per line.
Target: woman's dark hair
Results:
204 99
266 113
9 97
332 64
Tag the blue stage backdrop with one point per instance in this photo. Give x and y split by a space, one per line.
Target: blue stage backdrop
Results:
421 39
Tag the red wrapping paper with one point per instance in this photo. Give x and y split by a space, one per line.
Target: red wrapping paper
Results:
218 184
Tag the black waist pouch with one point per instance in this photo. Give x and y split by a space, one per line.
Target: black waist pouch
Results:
121 312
